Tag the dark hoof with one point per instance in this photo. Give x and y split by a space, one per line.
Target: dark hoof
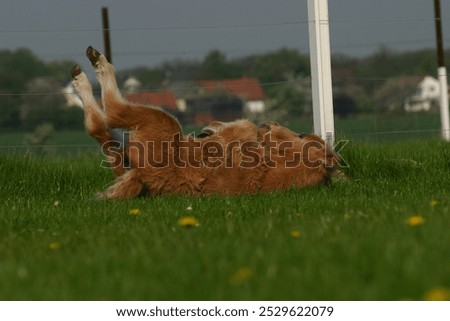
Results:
75 71
268 125
93 55
206 133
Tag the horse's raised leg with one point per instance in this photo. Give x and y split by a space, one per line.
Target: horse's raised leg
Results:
95 123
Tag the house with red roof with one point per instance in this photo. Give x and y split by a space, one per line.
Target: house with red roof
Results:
164 99
206 100
248 89
223 100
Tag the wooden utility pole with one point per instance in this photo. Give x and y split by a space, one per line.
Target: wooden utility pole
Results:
442 73
106 36
320 56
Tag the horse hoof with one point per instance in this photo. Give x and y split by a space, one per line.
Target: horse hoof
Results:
75 71
93 55
268 125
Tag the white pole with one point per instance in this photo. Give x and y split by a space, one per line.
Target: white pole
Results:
442 72
445 123
319 43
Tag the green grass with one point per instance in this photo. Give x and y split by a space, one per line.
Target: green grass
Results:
62 143
354 244
362 128
380 127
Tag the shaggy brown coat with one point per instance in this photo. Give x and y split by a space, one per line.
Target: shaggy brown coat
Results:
153 157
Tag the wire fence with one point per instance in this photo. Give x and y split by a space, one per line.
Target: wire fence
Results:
198 87
364 129
225 26
371 128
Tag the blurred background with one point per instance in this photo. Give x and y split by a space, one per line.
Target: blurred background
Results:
210 59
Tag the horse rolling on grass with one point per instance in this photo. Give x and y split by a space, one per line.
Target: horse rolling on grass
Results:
149 154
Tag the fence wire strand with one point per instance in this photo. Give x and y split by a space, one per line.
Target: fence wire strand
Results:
175 88
217 27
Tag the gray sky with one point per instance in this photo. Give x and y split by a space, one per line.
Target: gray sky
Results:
149 32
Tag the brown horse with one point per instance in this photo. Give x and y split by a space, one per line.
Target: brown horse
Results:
150 155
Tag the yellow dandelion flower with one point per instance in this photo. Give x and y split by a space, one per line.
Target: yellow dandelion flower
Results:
433 203
22 272
54 246
188 221
135 211
415 220
437 294
296 234
241 276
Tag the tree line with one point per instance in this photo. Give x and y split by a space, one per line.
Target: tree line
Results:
28 85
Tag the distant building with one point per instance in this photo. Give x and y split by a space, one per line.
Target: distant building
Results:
203 109
164 99
132 85
248 89
196 103
427 92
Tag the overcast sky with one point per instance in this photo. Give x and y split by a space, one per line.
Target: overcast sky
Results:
147 32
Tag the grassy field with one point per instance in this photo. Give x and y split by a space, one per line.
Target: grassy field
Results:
62 143
380 128
362 128
381 233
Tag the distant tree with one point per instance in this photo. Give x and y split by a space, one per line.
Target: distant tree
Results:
39 142
9 113
279 65
181 70
381 62
369 81
344 104
149 78
41 102
387 63
288 101
59 70
16 69
392 95
364 102
372 71
216 66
